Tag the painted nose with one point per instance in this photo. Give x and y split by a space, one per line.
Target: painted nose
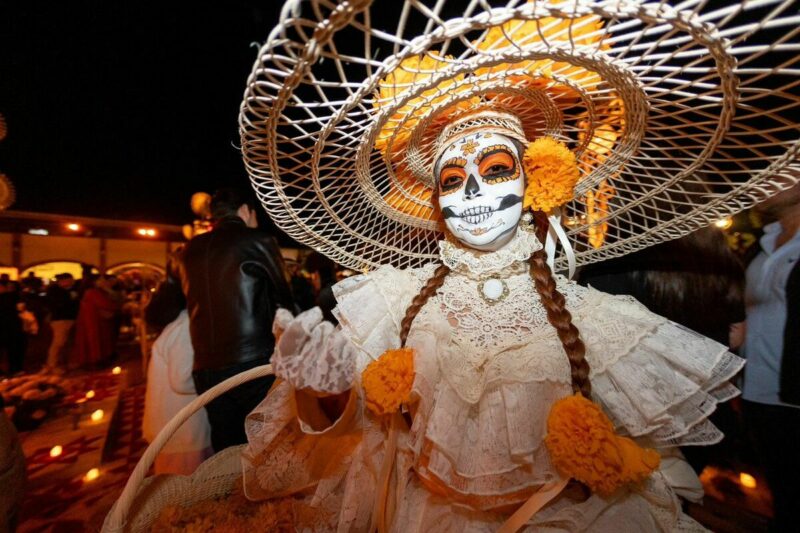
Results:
472 190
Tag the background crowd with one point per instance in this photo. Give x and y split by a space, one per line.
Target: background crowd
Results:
78 321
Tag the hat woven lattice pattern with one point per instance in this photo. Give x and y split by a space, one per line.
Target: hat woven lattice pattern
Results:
679 114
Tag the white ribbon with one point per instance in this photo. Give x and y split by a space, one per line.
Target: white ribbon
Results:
556 232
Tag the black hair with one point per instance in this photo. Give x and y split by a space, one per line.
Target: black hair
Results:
226 203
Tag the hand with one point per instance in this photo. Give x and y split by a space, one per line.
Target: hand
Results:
736 335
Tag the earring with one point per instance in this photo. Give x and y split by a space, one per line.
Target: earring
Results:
526 221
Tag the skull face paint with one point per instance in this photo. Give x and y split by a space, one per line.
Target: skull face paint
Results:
481 185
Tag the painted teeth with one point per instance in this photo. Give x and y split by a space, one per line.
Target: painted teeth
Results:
476 215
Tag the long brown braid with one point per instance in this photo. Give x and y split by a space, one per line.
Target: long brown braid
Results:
431 286
557 314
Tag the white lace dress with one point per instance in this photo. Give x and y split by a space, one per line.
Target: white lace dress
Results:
487 373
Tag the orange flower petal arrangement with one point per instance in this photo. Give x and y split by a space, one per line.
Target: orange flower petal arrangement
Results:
583 446
387 381
552 174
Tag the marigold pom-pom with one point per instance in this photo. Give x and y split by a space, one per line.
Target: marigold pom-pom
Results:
552 174
387 380
583 446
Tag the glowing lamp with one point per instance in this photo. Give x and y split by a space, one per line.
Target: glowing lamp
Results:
74 227
116 370
747 480
55 451
92 474
89 394
146 232
97 416
724 223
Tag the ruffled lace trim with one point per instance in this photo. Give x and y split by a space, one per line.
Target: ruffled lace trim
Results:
470 261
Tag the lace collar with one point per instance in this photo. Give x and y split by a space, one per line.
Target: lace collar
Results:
470 261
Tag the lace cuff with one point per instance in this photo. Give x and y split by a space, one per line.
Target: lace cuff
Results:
313 354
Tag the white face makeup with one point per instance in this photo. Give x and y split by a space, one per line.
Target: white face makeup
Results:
481 184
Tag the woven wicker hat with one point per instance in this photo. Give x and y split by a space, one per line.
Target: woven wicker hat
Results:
679 115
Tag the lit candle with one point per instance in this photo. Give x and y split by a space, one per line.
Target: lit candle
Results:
747 480
97 416
55 451
92 474
90 394
116 370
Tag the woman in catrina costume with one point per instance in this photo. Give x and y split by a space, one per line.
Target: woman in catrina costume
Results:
466 387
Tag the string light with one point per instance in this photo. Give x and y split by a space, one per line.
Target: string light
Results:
73 227
90 394
146 232
116 370
92 474
97 416
55 451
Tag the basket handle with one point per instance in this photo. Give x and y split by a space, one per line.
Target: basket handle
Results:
118 515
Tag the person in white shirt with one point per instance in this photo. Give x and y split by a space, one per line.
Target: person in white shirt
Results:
774 425
170 388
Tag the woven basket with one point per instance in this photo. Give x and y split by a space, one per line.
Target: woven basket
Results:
142 499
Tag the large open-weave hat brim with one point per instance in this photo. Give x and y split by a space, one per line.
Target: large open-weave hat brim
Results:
679 115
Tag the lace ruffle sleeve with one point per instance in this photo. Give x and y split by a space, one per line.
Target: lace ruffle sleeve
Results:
657 379
370 308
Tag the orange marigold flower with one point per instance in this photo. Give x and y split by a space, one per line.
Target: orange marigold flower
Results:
583 446
387 380
552 174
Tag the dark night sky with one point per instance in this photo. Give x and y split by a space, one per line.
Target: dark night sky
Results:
124 109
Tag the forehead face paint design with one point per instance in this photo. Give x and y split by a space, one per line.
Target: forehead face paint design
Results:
481 185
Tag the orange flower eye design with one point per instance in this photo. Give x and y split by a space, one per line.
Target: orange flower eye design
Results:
452 175
497 165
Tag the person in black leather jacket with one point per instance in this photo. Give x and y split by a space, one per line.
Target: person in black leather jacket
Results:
233 281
